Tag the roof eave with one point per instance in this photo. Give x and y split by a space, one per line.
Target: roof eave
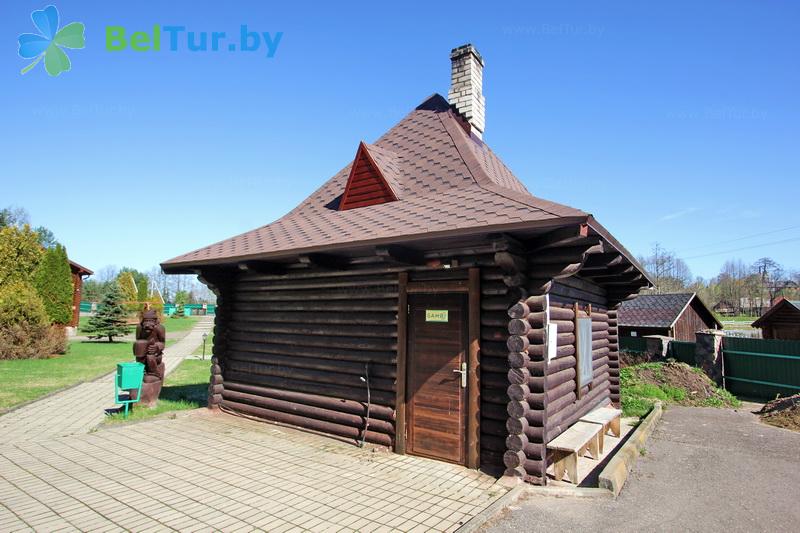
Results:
605 234
182 267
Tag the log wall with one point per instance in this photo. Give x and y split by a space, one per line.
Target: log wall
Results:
292 347
544 397
297 346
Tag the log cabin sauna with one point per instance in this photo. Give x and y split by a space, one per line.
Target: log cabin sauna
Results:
407 301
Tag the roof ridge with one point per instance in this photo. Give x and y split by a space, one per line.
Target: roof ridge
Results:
482 178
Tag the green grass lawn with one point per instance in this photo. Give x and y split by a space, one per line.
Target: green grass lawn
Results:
23 380
209 345
170 323
185 388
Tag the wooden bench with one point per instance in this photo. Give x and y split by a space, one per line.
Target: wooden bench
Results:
574 443
608 417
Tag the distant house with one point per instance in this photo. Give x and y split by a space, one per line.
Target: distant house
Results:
724 308
674 315
781 321
78 272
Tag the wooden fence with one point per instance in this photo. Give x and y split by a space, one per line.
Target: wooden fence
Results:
761 368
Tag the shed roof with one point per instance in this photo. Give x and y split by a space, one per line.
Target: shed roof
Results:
783 303
447 182
78 269
658 310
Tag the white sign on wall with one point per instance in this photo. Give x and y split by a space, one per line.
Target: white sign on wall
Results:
552 341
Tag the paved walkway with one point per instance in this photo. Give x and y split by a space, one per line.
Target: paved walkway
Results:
81 408
705 470
217 472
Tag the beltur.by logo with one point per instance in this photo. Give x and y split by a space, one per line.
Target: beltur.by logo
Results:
177 37
49 44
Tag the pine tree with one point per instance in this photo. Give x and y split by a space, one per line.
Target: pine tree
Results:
111 316
53 282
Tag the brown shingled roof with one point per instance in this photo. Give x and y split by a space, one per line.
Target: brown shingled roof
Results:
448 182
657 310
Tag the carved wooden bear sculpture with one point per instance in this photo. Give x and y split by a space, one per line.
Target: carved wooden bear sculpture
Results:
148 350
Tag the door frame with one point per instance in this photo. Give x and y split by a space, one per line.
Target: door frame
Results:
470 287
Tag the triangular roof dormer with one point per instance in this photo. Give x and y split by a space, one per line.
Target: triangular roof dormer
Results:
367 184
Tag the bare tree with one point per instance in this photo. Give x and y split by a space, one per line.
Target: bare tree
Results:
669 272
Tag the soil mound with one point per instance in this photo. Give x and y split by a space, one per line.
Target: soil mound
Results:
782 412
697 386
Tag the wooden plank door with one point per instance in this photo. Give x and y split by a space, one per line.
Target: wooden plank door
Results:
436 399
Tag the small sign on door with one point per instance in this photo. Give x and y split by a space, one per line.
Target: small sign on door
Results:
436 315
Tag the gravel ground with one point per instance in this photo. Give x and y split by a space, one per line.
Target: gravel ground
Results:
704 469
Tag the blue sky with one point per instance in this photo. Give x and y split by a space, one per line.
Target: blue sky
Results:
672 122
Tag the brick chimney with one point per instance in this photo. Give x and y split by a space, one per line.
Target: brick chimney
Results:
466 86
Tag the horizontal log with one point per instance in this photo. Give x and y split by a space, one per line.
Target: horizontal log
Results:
555 365
310 411
324 352
560 403
566 339
319 284
536 401
519 360
532 450
539 350
324 389
514 459
519 310
536 303
493 411
517 343
331 330
565 418
307 423
303 362
519 326
314 376
494 427
338 306
551 380
516 425
336 404
492 443
532 417
493 364
518 376
517 408
351 297
347 343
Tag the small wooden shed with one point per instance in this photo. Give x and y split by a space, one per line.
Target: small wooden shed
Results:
78 273
781 321
679 316
407 301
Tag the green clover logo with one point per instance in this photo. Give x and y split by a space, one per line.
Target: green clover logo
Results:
47 45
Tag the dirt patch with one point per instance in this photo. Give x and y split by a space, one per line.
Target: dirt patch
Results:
671 383
782 413
697 386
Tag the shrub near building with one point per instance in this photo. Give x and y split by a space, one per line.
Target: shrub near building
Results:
27 314
25 330
53 282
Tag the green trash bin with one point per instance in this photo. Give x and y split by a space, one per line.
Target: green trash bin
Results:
129 378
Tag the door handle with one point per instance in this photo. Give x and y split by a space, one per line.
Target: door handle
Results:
463 373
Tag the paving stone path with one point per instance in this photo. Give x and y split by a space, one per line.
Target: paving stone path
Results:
205 471
81 408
